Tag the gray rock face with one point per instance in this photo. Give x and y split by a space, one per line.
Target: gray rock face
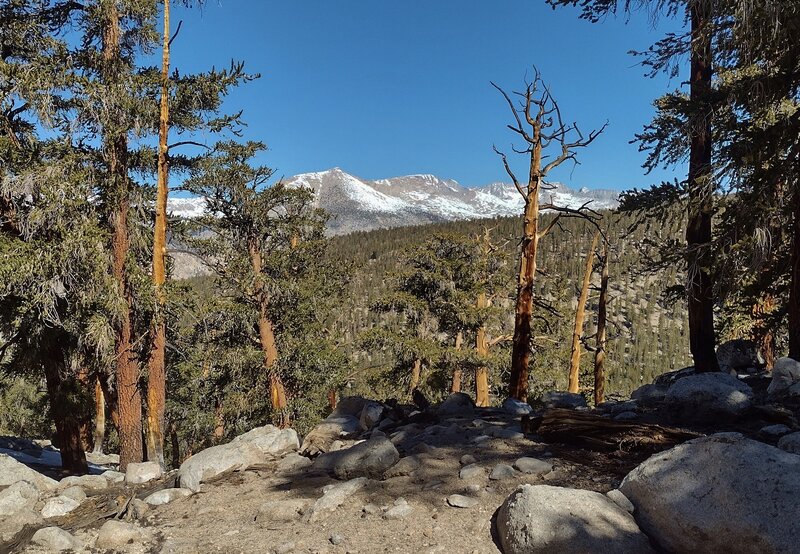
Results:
366 459
406 466
709 397
740 356
75 492
461 501
116 535
533 466
18 497
502 471
12 471
722 493
292 464
790 443
457 404
113 476
471 471
647 395
400 510
785 374
561 399
334 497
142 472
371 414
55 539
256 446
516 407
59 506
541 518
165 496
621 500
772 433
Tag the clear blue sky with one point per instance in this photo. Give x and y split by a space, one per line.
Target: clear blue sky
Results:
386 88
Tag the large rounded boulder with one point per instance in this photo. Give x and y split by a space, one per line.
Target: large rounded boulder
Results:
708 397
722 493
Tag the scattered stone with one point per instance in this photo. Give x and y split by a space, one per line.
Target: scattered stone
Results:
333 498
471 471
785 373
708 397
142 472
282 511
89 482
371 509
506 434
100 459
116 535
740 356
138 508
626 416
21 496
621 407
113 476
285 548
542 518
75 492
649 395
400 510
336 539
371 414
292 463
714 492
59 506
516 407
774 432
790 443
367 459
533 466
12 471
561 399
480 438
457 404
467 459
165 496
502 471
55 539
621 500
404 467
461 501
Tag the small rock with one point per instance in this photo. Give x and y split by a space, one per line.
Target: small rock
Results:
502 471
285 548
461 501
400 510
626 416
371 414
404 467
371 509
88 482
467 459
12 471
621 500
506 434
516 407
790 443
480 438
336 539
142 472
561 399
113 476
116 535
457 404
165 496
292 463
21 496
55 539
282 511
367 459
333 498
138 508
59 506
785 373
471 471
649 395
709 397
76 493
774 432
533 466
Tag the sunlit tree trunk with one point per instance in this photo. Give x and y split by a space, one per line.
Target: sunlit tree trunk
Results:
115 146
700 285
602 318
99 417
156 373
482 350
416 374
457 373
580 314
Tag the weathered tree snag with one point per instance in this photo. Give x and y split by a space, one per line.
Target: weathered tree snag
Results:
539 112
416 375
115 147
794 292
602 317
63 392
457 372
580 314
99 417
482 349
156 373
700 285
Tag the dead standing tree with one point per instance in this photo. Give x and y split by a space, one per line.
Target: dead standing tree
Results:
539 122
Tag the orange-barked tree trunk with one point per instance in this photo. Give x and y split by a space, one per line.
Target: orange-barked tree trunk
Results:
99 417
602 319
115 146
580 315
700 284
457 372
156 372
482 349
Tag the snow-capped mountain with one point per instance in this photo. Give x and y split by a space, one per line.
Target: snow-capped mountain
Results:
360 205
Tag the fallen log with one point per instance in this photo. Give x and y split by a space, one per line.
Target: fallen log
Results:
596 432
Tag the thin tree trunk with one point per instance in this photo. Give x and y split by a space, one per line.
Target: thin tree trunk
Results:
700 285
219 421
87 439
156 373
457 373
99 417
482 349
580 313
523 310
332 399
416 373
129 400
602 317
176 446
794 292
63 393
